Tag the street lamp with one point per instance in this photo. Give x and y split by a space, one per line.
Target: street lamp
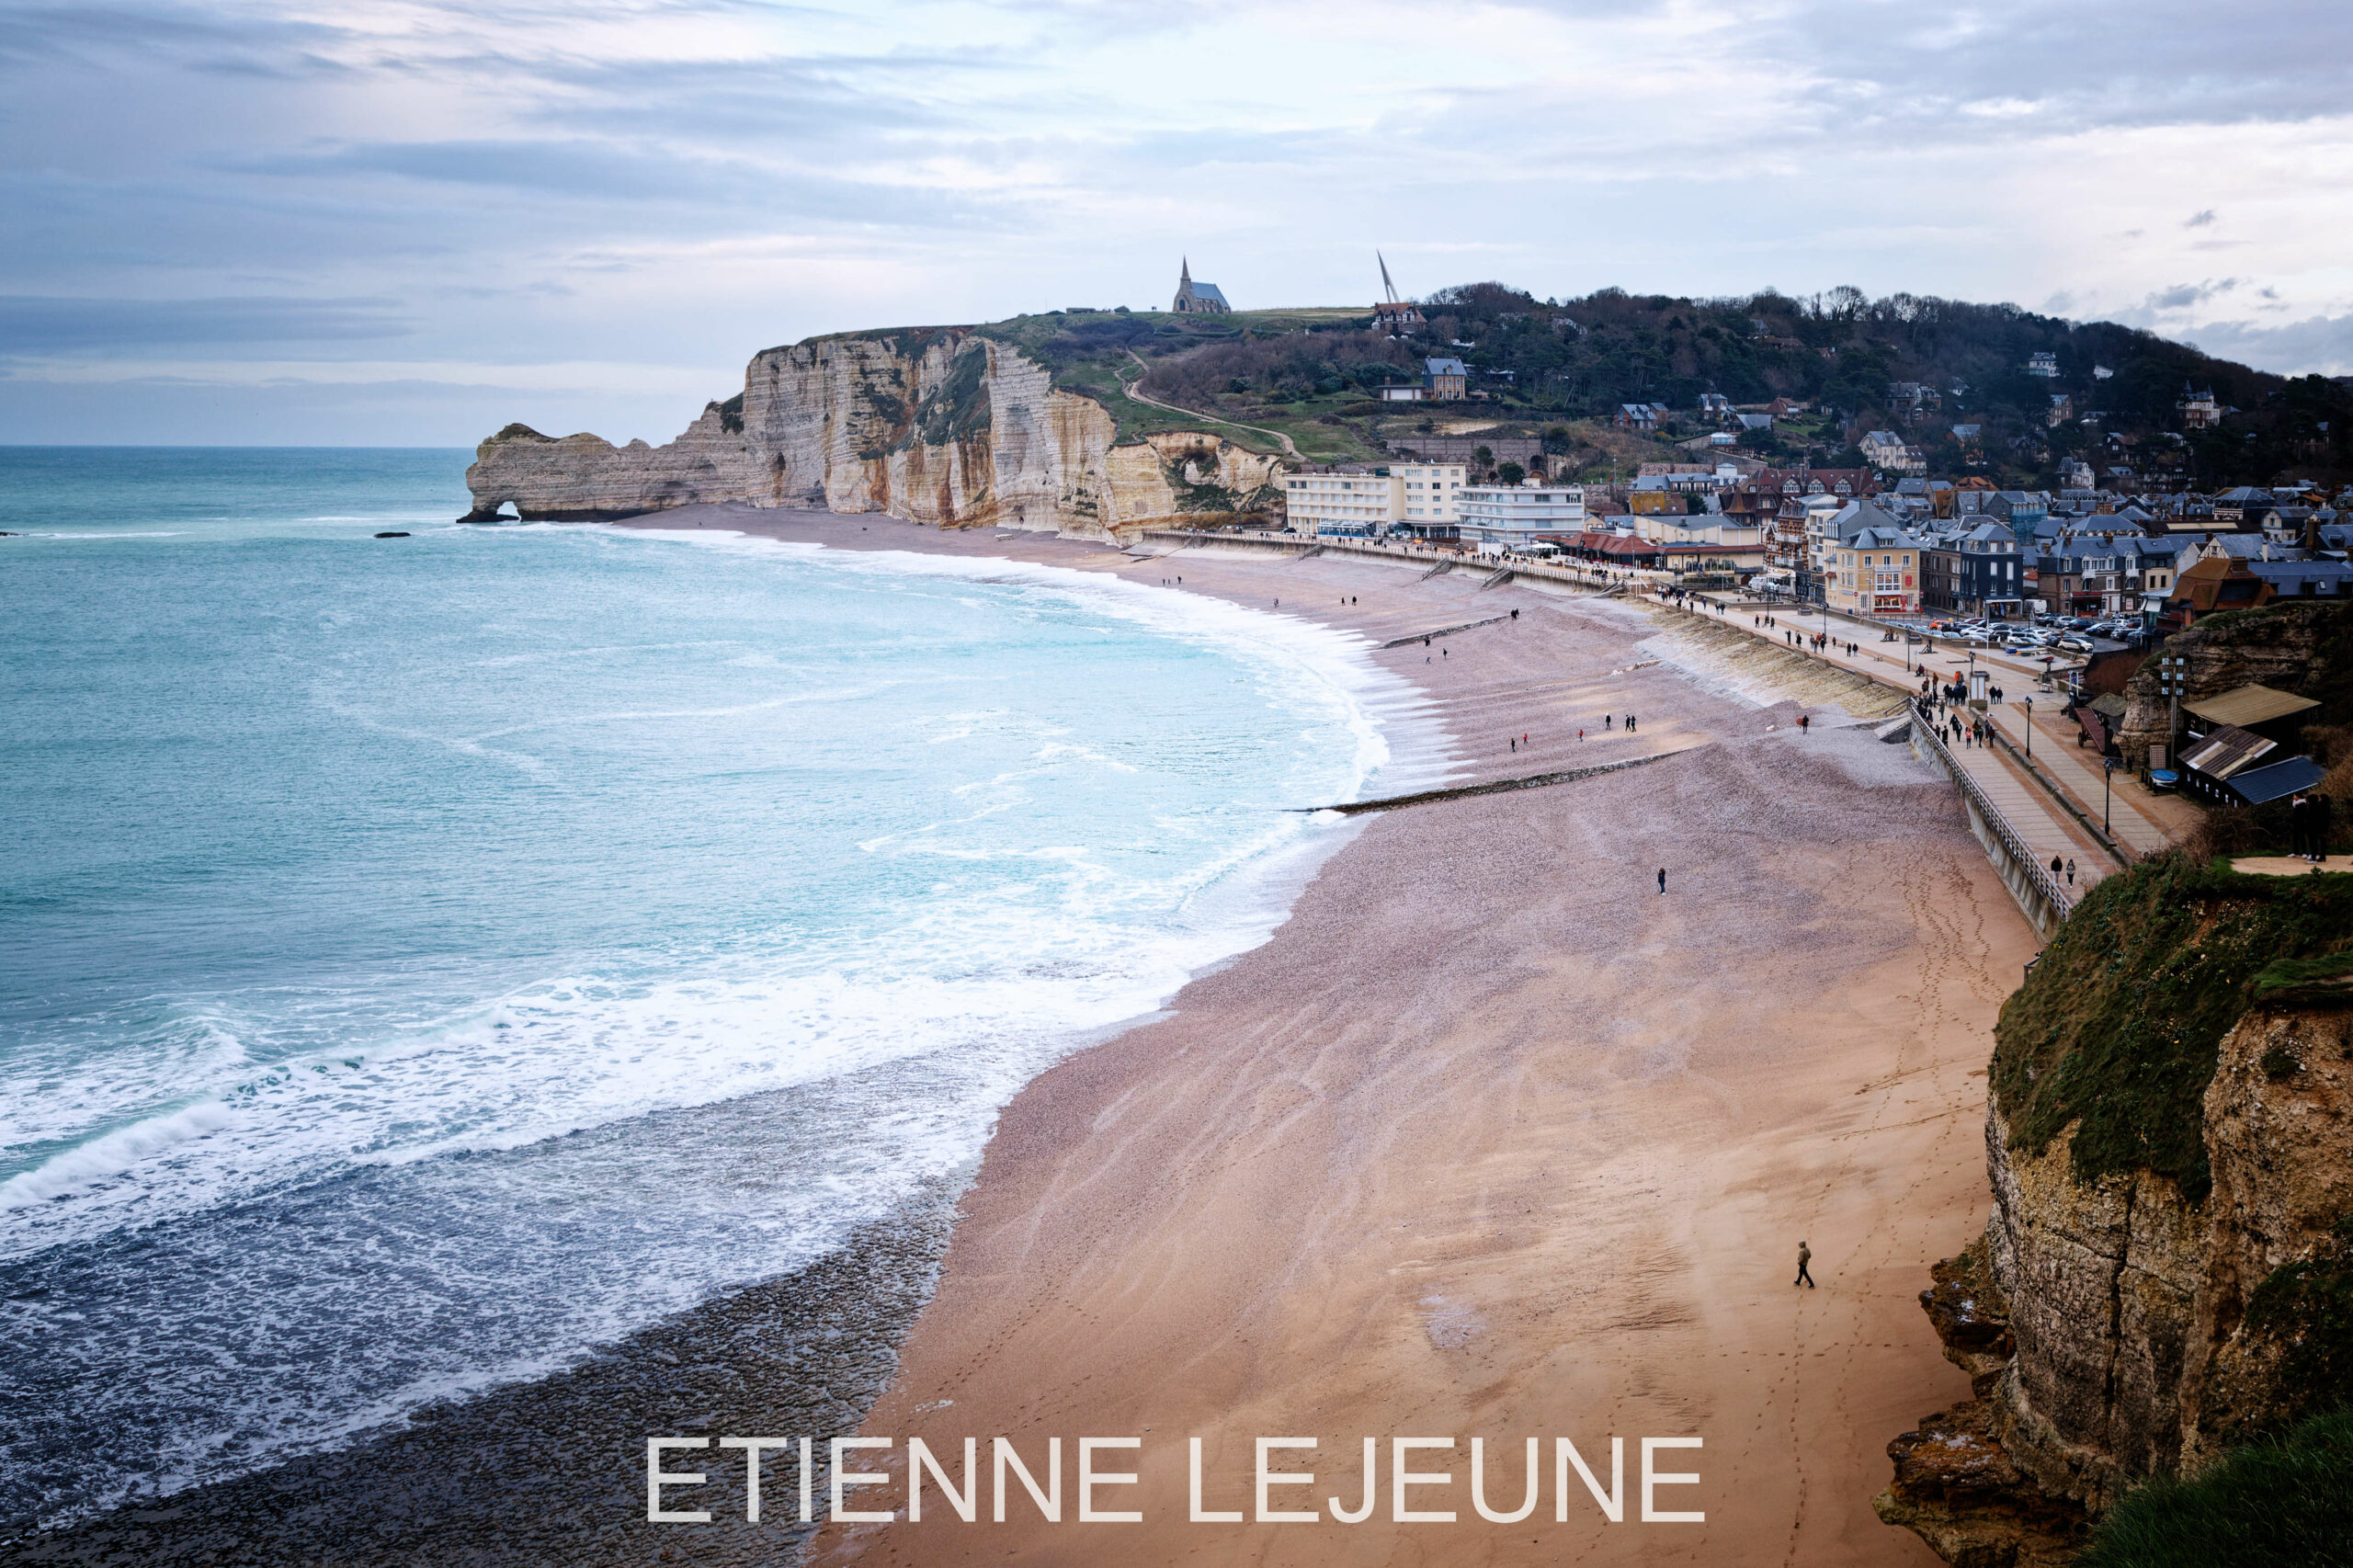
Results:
2108 773
2029 729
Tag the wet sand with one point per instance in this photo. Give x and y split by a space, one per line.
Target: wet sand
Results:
1491 1139
1494 1139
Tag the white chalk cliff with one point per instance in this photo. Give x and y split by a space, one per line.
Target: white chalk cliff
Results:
936 424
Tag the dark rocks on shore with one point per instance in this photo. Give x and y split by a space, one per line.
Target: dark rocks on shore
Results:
551 1473
395 533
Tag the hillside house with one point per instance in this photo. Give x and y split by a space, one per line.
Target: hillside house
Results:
1642 417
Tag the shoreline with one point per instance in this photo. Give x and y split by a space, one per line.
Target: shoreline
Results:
1488 1139
914 1347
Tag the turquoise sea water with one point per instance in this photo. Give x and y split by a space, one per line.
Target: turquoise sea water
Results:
377 912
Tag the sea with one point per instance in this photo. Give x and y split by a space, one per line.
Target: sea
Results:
371 908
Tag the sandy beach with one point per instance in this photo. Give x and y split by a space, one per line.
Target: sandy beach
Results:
1494 1138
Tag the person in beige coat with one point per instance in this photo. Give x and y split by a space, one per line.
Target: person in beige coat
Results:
1805 1256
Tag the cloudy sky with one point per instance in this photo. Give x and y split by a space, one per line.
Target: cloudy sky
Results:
406 222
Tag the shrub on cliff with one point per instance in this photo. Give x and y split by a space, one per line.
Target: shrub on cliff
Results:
2286 1504
2307 1308
2119 1026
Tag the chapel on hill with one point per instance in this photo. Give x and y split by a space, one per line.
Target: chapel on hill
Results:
1197 299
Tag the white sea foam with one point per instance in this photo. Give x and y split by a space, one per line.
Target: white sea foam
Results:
780 1086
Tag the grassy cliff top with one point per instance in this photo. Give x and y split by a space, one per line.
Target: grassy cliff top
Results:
2119 1026
1548 361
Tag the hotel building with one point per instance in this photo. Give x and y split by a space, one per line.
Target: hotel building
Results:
1422 498
1509 517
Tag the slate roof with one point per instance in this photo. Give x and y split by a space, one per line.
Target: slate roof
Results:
2273 780
2304 579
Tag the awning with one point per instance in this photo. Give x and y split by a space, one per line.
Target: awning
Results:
2257 785
2249 705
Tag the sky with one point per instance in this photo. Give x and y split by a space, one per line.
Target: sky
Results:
408 224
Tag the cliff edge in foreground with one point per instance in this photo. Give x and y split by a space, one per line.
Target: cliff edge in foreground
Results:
2169 1269
935 424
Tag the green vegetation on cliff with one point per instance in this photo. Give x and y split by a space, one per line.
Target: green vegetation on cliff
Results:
1540 365
2119 1026
2307 1308
2284 1505
1100 354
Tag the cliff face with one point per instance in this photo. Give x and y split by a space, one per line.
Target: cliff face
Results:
2136 1307
2306 648
936 425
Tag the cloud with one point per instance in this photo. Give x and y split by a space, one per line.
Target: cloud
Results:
2182 296
45 324
674 182
2318 345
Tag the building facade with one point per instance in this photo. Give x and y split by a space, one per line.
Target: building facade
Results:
1197 299
1423 499
1342 499
1875 572
1430 496
1981 572
1510 516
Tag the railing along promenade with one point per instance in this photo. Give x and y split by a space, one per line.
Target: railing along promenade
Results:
2045 901
2013 860
1301 545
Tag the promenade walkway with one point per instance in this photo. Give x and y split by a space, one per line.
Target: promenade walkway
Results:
2051 803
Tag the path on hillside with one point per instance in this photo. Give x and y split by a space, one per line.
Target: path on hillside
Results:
1133 391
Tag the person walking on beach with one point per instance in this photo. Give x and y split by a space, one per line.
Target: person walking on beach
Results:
2071 870
1662 879
1805 1256
2056 868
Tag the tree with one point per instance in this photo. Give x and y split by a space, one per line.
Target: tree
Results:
1485 454
1511 473
1556 440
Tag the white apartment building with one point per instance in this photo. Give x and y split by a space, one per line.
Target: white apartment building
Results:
1351 499
1432 492
1341 500
1509 517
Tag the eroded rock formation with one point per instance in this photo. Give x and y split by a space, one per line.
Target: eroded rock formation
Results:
2306 648
938 426
2115 1329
